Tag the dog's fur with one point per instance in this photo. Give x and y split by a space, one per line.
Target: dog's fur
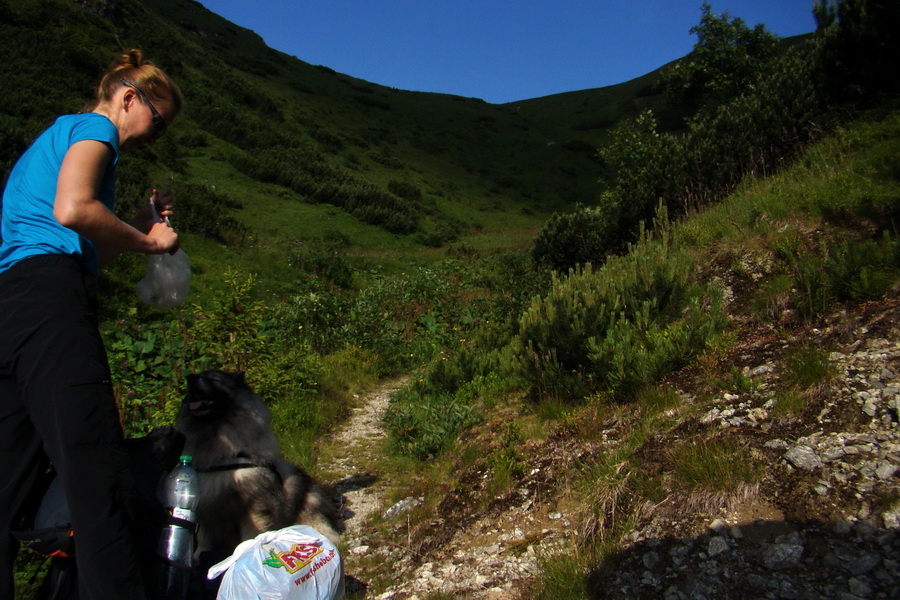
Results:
222 419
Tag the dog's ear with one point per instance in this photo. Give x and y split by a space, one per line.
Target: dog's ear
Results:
239 375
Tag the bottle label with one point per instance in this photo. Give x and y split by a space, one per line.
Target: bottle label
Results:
183 513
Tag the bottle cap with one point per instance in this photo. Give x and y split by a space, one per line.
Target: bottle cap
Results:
186 458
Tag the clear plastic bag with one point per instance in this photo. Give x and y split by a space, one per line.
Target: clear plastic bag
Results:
168 278
294 563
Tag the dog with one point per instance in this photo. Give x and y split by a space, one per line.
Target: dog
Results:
246 486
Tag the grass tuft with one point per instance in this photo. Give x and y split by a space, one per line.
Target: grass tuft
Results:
713 464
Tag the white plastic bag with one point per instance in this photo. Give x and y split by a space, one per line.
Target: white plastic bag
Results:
168 278
294 563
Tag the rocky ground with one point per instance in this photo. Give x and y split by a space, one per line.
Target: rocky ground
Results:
822 522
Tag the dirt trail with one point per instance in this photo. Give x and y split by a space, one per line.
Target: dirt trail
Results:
354 449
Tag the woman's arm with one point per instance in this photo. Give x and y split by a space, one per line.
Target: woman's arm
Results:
77 207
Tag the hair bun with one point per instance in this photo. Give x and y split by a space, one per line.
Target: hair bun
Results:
133 59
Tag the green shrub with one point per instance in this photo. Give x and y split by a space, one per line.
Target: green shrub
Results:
754 133
404 189
423 426
860 47
506 460
317 312
788 402
630 322
726 61
585 235
641 349
325 259
806 366
844 270
149 356
307 172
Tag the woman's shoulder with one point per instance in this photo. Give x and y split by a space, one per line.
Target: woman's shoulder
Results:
86 120
88 126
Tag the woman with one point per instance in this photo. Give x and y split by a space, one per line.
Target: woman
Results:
56 398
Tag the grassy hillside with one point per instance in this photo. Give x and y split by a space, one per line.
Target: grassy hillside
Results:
458 169
285 151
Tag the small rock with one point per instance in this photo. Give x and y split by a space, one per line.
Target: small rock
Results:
891 519
886 471
865 531
834 453
870 408
717 545
859 587
402 507
781 556
842 527
863 564
803 457
718 525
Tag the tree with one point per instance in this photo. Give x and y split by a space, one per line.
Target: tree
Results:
861 48
726 61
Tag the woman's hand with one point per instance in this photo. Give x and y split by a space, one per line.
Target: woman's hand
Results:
165 237
162 200
161 230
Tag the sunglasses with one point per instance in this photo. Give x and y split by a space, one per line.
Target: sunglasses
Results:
159 124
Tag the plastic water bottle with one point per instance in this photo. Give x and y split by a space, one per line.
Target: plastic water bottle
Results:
176 543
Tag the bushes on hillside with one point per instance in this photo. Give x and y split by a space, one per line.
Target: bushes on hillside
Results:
616 328
578 237
775 112
853 271
306 172
751 135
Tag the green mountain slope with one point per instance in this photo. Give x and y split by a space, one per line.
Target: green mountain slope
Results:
454 168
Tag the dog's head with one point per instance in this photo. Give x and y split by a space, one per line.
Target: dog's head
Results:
212 393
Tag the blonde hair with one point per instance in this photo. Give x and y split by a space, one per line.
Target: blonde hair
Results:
133 68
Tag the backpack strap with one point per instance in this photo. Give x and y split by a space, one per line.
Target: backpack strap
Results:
178 522
241 462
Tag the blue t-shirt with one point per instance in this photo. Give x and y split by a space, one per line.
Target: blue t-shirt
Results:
28 227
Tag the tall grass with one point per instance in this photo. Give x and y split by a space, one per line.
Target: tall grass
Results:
713 465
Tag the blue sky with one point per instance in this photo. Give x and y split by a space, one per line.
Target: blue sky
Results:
499 51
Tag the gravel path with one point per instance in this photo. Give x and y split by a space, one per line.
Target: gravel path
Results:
356 445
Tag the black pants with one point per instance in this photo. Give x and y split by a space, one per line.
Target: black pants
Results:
57 404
